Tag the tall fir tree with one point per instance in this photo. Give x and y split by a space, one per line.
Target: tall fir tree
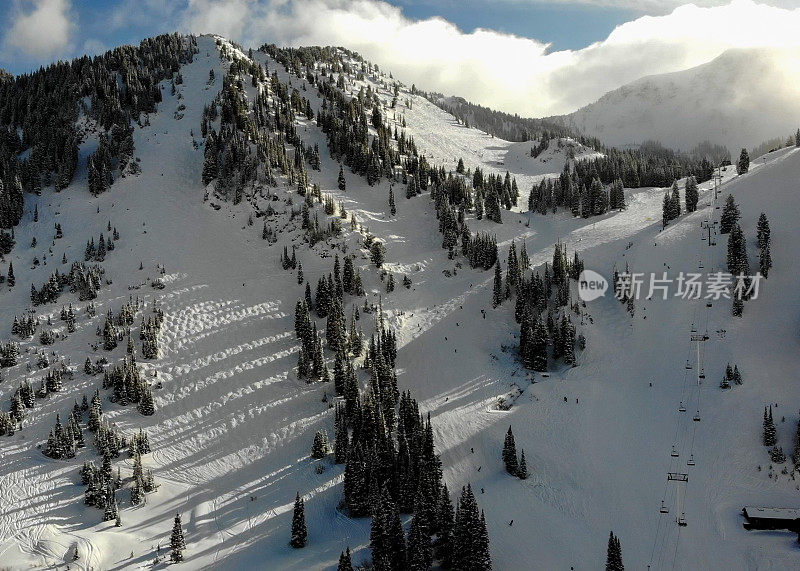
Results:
299 531
345 561
176 540
420 551
743 164
614 554
764 243
730 215
522 471
509 454
497 290
769 434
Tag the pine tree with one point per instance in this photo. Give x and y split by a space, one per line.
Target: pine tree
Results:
342 182
539 341
386 533
522 471
176 540
730 215
666 210
737 252
445 519
377 253
614 554
470 540
743 164
420 552
299 531
320 447
11 279
692 195
764 243
769 435
345 562
509 454
497 291
675 199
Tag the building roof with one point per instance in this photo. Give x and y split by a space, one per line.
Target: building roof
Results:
771 513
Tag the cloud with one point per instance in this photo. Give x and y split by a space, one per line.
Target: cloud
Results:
518 75
648 6
44 31
507 72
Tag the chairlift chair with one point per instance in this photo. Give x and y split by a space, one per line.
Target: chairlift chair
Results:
691 460
688 364
674 452
682 520
681 408
702 374
696 416
664 509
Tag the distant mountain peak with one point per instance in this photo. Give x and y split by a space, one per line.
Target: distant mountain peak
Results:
739 99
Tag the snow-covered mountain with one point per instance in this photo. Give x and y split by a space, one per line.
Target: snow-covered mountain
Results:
234 421
740 99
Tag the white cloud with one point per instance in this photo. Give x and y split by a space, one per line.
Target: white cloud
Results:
43 31
500 70
507 72
648 6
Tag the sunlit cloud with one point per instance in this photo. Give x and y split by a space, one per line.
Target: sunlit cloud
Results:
508 72
41 28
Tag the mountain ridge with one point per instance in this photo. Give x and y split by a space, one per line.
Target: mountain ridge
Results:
739 99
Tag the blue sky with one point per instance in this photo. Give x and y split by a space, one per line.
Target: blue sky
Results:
101 24
565 25
532 57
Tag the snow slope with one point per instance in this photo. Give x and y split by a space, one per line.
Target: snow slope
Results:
740 99
234 425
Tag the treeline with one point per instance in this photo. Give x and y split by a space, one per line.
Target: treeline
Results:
649 165
38 112
503 125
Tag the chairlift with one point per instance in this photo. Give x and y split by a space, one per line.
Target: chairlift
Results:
674 452
664 509
696 416
681 408
691 460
